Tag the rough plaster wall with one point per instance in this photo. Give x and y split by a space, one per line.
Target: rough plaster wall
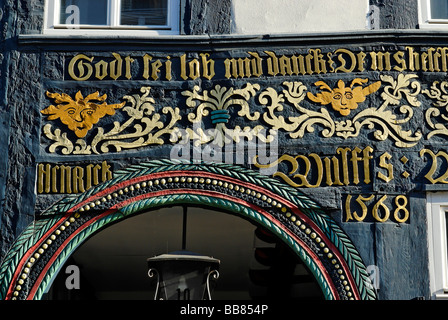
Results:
6 222
19 121
301 16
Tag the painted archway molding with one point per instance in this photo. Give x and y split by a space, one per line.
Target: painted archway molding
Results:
42 249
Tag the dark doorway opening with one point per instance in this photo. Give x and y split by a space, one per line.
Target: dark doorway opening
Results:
255 264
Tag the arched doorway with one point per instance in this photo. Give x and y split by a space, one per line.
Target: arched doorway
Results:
254 263
44 247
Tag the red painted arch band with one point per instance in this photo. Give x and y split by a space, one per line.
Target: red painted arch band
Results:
122 204
201 174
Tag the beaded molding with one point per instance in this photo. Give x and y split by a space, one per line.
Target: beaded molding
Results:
43 248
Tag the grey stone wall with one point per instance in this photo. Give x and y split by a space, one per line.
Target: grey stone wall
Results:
397 14
206 17
20 78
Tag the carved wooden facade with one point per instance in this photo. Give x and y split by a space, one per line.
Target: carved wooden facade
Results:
268 129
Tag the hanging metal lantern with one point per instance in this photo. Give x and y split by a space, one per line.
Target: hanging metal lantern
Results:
183 275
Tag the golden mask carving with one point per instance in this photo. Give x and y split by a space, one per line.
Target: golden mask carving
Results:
143 126
387 123
344 99
79 114
278 110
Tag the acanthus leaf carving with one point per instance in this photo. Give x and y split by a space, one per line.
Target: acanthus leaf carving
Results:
216 103
434 116
146 124
386 123
143 127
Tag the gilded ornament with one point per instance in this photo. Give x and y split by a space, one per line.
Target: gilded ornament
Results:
344 99
216 103
434 116
387 122
142 127
79 114
144 123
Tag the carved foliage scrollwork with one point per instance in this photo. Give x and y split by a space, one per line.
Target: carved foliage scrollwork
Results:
146 124
383 119
434 116
143 127
216 103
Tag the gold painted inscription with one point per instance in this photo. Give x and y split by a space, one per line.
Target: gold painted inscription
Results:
256 64
60 178
382 208
439 160
347 167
